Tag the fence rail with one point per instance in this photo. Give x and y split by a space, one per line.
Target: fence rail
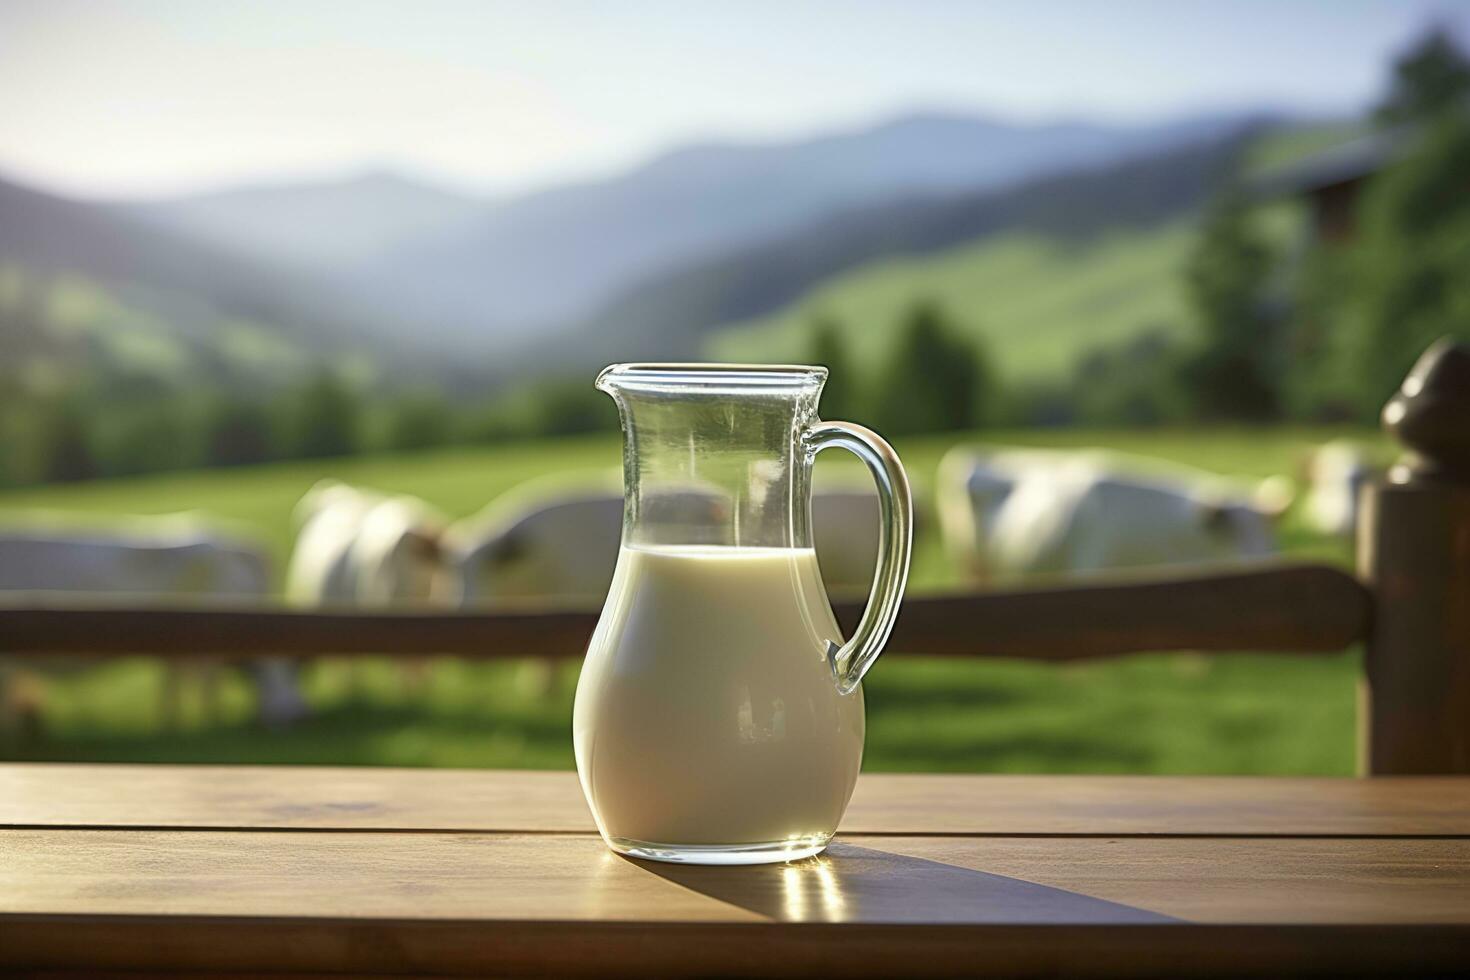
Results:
1297 608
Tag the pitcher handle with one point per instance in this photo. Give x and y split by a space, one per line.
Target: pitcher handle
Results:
895 541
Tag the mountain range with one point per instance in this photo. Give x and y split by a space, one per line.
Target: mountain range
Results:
560 254
48 235
670 315
646 261
90 293
320 225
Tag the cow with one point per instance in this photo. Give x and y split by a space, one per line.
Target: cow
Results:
163 555
358 548
548 538
973 486
1336 474
551 538
1024 513
543 538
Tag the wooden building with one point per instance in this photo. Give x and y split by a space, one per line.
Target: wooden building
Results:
1332 181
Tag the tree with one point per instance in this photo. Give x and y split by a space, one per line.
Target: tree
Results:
237 432
1235 372
839 399
1411 262
420 420
1314 386
1432 78
150 435
327 418
571 406
66 446
935 380
1365 312
1134 383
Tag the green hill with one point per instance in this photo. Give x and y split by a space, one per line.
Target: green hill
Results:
67 329
1038 301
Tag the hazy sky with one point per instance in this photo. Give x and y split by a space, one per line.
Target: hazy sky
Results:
139 98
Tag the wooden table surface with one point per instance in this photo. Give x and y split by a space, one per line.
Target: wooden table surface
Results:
254 869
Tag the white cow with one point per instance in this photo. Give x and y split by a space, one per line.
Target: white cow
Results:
548 539
973 486
328 518
361 549
167 555
543 538
1336 474
1019 513
357 547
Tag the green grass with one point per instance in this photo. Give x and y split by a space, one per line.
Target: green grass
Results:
259 499
1036 302
1159 713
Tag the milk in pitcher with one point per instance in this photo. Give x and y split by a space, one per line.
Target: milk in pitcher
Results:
707 713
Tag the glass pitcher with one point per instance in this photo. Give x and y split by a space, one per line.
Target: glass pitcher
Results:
719 715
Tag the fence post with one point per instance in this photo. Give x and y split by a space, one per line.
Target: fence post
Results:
1414 553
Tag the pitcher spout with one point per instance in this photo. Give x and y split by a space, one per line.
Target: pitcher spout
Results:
719 441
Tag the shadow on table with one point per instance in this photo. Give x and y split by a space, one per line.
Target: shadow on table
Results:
859 884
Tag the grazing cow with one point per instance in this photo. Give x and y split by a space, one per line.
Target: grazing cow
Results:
548 539
168 555
358 548
1336 474
973 487
543 538
1021 513
327 518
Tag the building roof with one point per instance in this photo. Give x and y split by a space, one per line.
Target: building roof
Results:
1337 165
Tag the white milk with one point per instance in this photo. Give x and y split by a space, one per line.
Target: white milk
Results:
707 713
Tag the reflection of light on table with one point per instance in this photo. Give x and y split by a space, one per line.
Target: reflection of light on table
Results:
791 886
811 889
833 903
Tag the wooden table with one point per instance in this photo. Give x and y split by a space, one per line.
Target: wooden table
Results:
422 872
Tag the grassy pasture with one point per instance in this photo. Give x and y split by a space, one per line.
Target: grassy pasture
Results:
1179 713
1035 301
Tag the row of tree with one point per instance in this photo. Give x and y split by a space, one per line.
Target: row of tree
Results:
85 434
